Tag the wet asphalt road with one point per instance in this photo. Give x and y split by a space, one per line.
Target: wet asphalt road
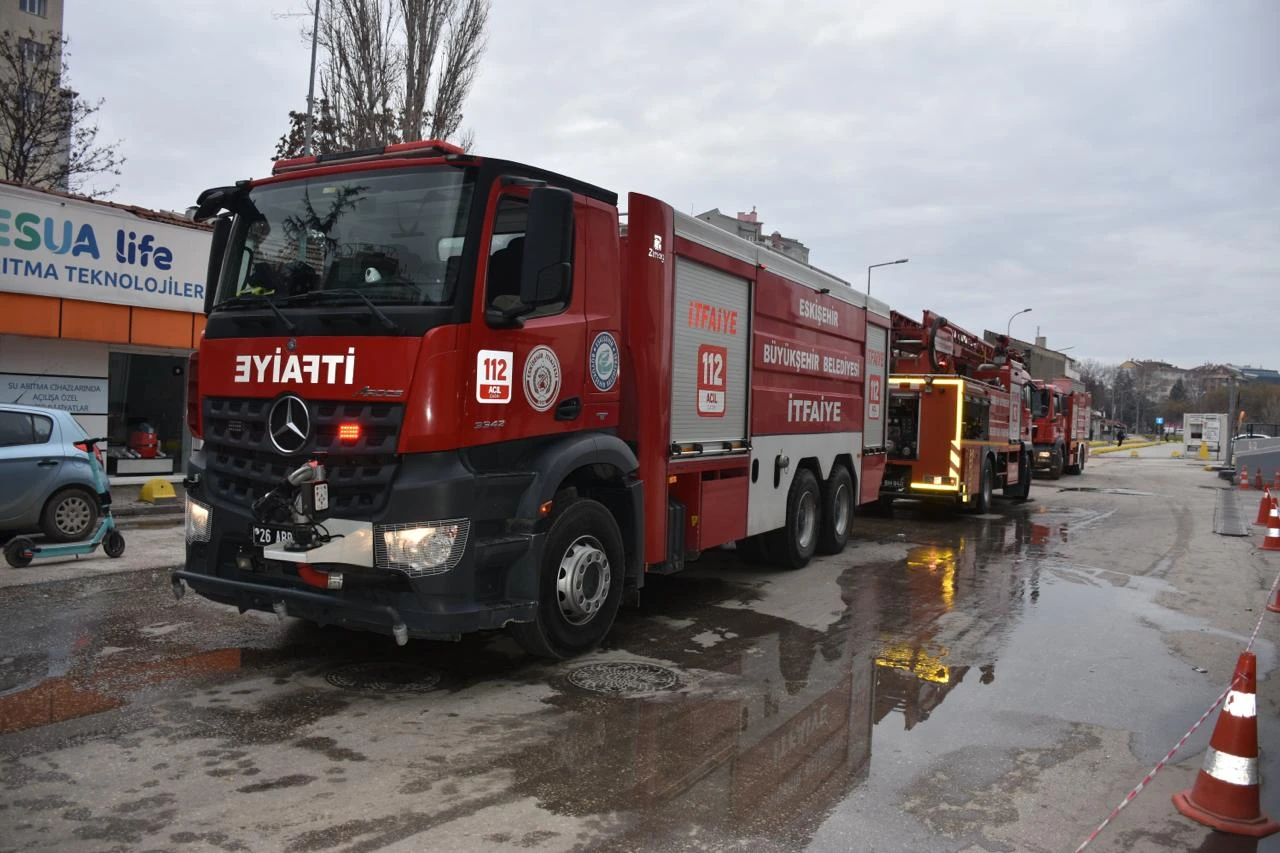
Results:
949 683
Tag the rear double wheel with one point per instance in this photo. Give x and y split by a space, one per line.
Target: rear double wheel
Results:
580 583
837 511
793 545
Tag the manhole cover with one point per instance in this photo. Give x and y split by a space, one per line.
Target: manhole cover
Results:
620 678
389 677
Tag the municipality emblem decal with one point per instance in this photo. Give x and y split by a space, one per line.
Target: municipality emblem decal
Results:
604 361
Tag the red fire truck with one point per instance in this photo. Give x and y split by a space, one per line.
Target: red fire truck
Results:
1060 428
439 393
959 416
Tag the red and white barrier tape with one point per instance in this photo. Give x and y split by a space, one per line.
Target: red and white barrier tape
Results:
1270 596
1182 742
1159 766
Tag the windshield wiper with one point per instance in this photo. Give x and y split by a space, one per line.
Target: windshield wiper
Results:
254 302
321 295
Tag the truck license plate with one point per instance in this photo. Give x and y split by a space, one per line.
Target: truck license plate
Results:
264 535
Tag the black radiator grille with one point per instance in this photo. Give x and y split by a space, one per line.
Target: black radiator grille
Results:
243 465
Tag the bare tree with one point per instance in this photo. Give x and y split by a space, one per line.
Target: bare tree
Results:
393 71
48 135
360 71
463 48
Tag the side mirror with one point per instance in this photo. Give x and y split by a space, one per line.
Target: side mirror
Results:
217 249
546 274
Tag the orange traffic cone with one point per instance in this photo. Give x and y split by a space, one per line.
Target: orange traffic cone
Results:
1275 479
1226 794
1264 507
1272 542
1274 606
1257 479
1244 478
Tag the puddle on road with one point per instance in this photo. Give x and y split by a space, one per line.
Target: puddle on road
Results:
697 713
1107 491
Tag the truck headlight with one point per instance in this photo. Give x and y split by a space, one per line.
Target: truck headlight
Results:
421 549
199 522
1044 454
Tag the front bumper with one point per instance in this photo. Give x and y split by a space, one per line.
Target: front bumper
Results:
493 584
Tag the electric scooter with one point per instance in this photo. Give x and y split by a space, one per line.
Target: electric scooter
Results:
21 550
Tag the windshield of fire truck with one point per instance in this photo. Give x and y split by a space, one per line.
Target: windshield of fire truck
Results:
395 236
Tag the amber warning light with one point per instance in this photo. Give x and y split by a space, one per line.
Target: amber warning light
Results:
349 433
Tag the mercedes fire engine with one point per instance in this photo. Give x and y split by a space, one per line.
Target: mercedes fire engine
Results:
959 416
1060 429
439 393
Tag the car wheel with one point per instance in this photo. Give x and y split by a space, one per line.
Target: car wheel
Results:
582 575
837 511
69 515
113 544
19 552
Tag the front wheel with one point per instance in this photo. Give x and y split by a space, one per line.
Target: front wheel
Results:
1077 462
1056 464
837 511
580 587
113 544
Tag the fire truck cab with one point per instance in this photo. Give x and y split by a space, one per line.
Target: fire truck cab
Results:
1060 426
958 416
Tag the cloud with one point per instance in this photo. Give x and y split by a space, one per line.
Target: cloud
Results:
1111 165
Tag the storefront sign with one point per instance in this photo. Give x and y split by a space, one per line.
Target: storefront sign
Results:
80 395
56 246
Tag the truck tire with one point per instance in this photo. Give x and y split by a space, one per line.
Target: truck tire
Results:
70 515
794 544
1077 463
838 504
1056 463
1021 490
981 501
582 575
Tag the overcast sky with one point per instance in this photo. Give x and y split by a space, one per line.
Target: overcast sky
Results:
1115 166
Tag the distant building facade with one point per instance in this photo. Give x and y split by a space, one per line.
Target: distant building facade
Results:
1154 379
749 227
31 22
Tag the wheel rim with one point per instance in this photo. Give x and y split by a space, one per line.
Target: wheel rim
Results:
583 580
806 520
841 507
72 515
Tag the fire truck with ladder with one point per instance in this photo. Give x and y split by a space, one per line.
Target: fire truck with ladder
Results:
439 393
959 423
1060 429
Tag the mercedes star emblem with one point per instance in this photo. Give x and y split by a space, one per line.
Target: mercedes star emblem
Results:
289 424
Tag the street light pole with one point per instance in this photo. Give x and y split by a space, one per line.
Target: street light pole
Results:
885 264
1009 325
311 87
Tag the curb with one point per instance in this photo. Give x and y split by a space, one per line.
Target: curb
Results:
1135 446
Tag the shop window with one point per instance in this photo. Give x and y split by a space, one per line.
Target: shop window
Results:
146 428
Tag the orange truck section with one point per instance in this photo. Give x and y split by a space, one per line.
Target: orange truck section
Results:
959 422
